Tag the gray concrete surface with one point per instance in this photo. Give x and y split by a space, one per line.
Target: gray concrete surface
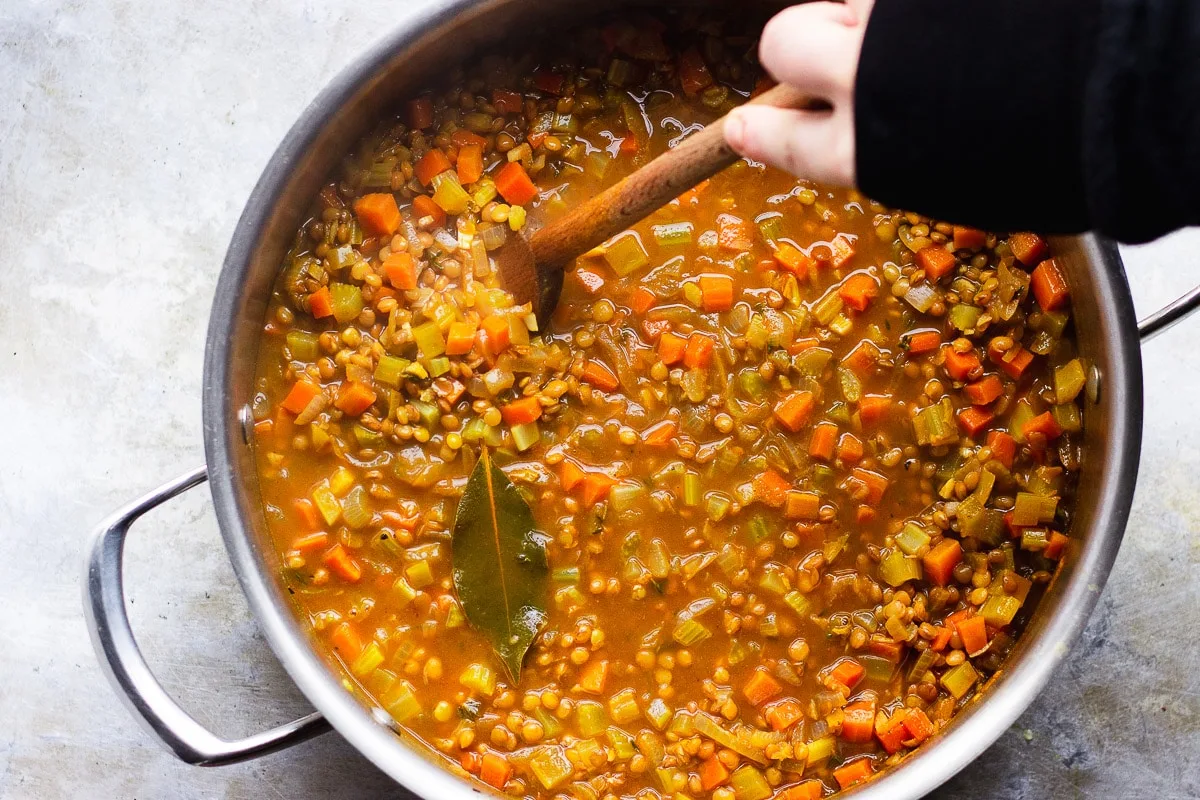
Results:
131 132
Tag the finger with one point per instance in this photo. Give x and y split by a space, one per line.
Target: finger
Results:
813 144
813 47
861 9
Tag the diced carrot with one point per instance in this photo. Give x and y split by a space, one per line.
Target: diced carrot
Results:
401 271
864 514
514 185
850 448
824 439
973 419
320 304
522 411
1050 285
599 375
471 761
936 261
843 250
1055 546
1014 361
547 81
961 366
341 564
941 560
848 672
862 357
430 165
591 282
693 72
973 632
497 331
699 352
968 238
886 649
354 398
346 641
507 102
800 345
891 732
423 206
460 338
771 487
308 513
596 486
984 391
535 138
811 789
671 348
660 433
570 474
875 484
1003 447
464 138
470 164
801 505
300 396
654 328
716 292
283 427
923 342
263 428
734 233
712 773
918 724
378 213
1029 248
494 769
793 260
761 687
858 722
629 145
642 300
794 410
942 639
1044 424
420 112
311 541
783 714
859 289
594 676
873 407
853 772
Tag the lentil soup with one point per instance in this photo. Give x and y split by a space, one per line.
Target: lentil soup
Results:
799 464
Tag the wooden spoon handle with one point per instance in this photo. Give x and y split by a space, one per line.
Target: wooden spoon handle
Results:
695 159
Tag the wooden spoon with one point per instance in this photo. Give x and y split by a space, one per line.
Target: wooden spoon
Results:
531 269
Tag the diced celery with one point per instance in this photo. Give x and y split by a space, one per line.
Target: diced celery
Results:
455 618
525 435
798 603
401 702
474 430
591 718
769 626
834 547
419 574
850 385
404 591
820 750
897 568
692 293
390 370
959 680
479 678
429 339
658 713
737 653
1069 380
749 784
691 489
877 669
566 575
922 665
1054 323
1022 414
770 226
935 425
812 362
341 258
729 560
1068 418
439 366
673 234
671 780
346 300
1030 509
623 707
964 317
485 191
368 660
516 215
773 580
921 296
326 502
622 743
416 370
828 307
1035 539
379 174
355 509
999 610
690 632
841 325
303 346
650 746
551 727
717 505
625 495
550 766
452 198
625 253
912 538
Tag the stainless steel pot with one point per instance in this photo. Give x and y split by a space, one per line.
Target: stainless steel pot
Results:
1108 339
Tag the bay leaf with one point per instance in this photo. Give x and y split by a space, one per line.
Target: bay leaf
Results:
500 570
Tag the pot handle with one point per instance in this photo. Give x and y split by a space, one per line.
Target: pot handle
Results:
1167 316
122 661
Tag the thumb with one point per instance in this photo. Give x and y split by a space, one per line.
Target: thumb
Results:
818 145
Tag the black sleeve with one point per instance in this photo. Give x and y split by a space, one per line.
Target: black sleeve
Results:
1053 115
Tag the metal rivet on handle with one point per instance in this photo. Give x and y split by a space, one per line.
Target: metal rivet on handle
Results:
246 417
1093 384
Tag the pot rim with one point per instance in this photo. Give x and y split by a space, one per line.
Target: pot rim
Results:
975 727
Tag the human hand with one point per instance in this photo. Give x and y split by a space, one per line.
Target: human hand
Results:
814 47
